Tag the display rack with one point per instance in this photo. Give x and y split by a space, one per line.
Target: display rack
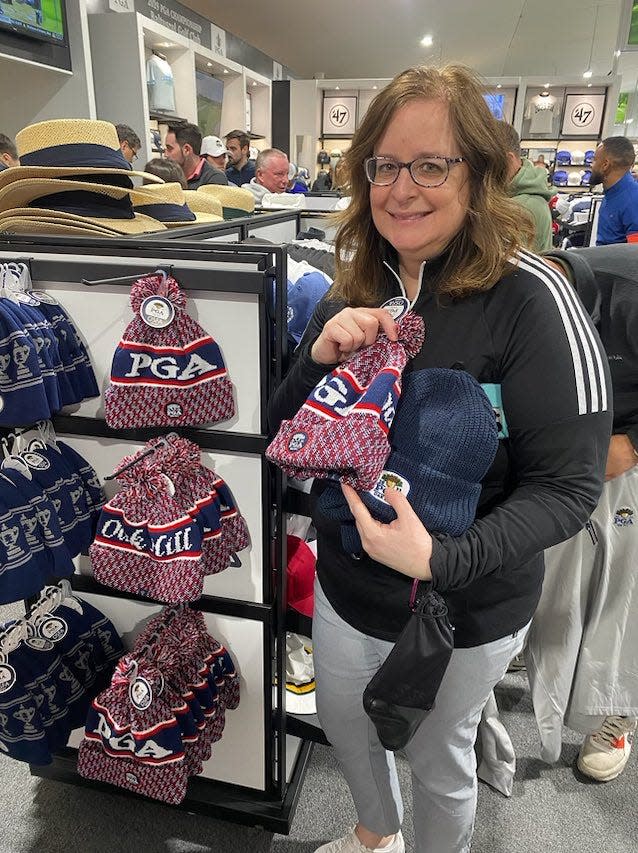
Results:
257 768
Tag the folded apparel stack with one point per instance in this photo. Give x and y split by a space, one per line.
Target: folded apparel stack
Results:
341 431
166 371
52 663
155 725
174 523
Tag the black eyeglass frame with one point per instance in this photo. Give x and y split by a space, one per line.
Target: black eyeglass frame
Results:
449 161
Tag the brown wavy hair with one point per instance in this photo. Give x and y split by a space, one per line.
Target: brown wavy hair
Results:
477 256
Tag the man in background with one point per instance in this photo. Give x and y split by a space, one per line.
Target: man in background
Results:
129 142
8 153
271 174
528 187
241 169
611 167
214 150
183 145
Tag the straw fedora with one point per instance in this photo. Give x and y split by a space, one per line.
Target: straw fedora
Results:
139 224
69 147
235 201
167 203
203 203
65 228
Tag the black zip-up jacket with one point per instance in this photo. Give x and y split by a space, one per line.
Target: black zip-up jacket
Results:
606 279
530 343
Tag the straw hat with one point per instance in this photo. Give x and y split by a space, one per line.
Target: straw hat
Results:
167 203
235 201
140 224
66 147
203 203
64 228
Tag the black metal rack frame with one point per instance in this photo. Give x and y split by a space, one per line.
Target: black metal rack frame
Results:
55 259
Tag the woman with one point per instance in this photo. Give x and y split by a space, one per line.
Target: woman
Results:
430 219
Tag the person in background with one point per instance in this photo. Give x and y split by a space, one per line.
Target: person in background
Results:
611 167
214 150
168 170
540 163
323 182
430 220
129 142
271 174
8 153
183 145
583 642
528 188
295 183
241 169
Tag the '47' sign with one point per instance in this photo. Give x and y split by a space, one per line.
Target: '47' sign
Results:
339 115
583 115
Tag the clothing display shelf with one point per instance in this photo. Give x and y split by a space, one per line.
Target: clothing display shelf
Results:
256 771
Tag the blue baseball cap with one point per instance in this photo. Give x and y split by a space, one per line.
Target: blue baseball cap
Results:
303 295
560 178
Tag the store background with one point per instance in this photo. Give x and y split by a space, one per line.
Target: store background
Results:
261 51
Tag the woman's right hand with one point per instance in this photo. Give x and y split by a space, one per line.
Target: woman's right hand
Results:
349 331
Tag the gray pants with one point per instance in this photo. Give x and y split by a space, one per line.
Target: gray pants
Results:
441 754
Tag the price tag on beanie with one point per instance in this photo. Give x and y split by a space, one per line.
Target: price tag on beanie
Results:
157 312
397 307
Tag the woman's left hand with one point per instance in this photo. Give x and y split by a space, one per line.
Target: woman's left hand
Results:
404 544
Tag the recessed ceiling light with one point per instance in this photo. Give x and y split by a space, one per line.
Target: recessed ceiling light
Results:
225 70
499 85
589 85
375 87
587 74
337 88
209 64
254 82
165 44
427 41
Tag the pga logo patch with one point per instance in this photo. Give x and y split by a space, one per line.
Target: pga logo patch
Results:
174 410
297 441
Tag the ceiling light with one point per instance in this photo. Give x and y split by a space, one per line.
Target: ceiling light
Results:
165 44
589 85
225 70
209 64
375 87
499 85
337 88
427 41
589 73
254 82
546 86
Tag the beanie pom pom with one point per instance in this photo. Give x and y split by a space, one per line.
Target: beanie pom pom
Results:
411 333
153 285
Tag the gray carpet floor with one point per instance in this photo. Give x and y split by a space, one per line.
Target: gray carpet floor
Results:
552 809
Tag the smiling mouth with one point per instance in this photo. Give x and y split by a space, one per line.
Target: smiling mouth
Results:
409 217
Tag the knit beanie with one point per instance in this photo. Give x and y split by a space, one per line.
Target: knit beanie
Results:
145 543
23 399
132 738
444 439
341 430
167 376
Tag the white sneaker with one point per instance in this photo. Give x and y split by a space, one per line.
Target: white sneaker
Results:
351 844
604 753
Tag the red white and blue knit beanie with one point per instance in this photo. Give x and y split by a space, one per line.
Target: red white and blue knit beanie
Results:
341 431
171 376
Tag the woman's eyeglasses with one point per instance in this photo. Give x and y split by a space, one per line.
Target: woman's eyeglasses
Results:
425 171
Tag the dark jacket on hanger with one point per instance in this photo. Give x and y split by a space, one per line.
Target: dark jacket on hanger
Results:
530 343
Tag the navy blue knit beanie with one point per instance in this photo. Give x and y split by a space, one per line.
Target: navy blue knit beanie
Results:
444 439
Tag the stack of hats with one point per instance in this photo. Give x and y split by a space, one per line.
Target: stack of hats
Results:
560 178
174 523
235 201
155 725
204 203
166 371
73 180
52 663
43 362
168 204
341 431
589 156
585 178
444 439
573 179
563 158
50 501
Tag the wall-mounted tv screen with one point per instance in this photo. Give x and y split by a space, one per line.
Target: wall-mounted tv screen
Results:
38 19
210 93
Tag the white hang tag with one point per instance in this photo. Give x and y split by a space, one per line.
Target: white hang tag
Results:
140 693
7 677
53 628
43 297
397 307
157 312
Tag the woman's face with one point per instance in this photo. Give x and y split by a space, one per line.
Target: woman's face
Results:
420 221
